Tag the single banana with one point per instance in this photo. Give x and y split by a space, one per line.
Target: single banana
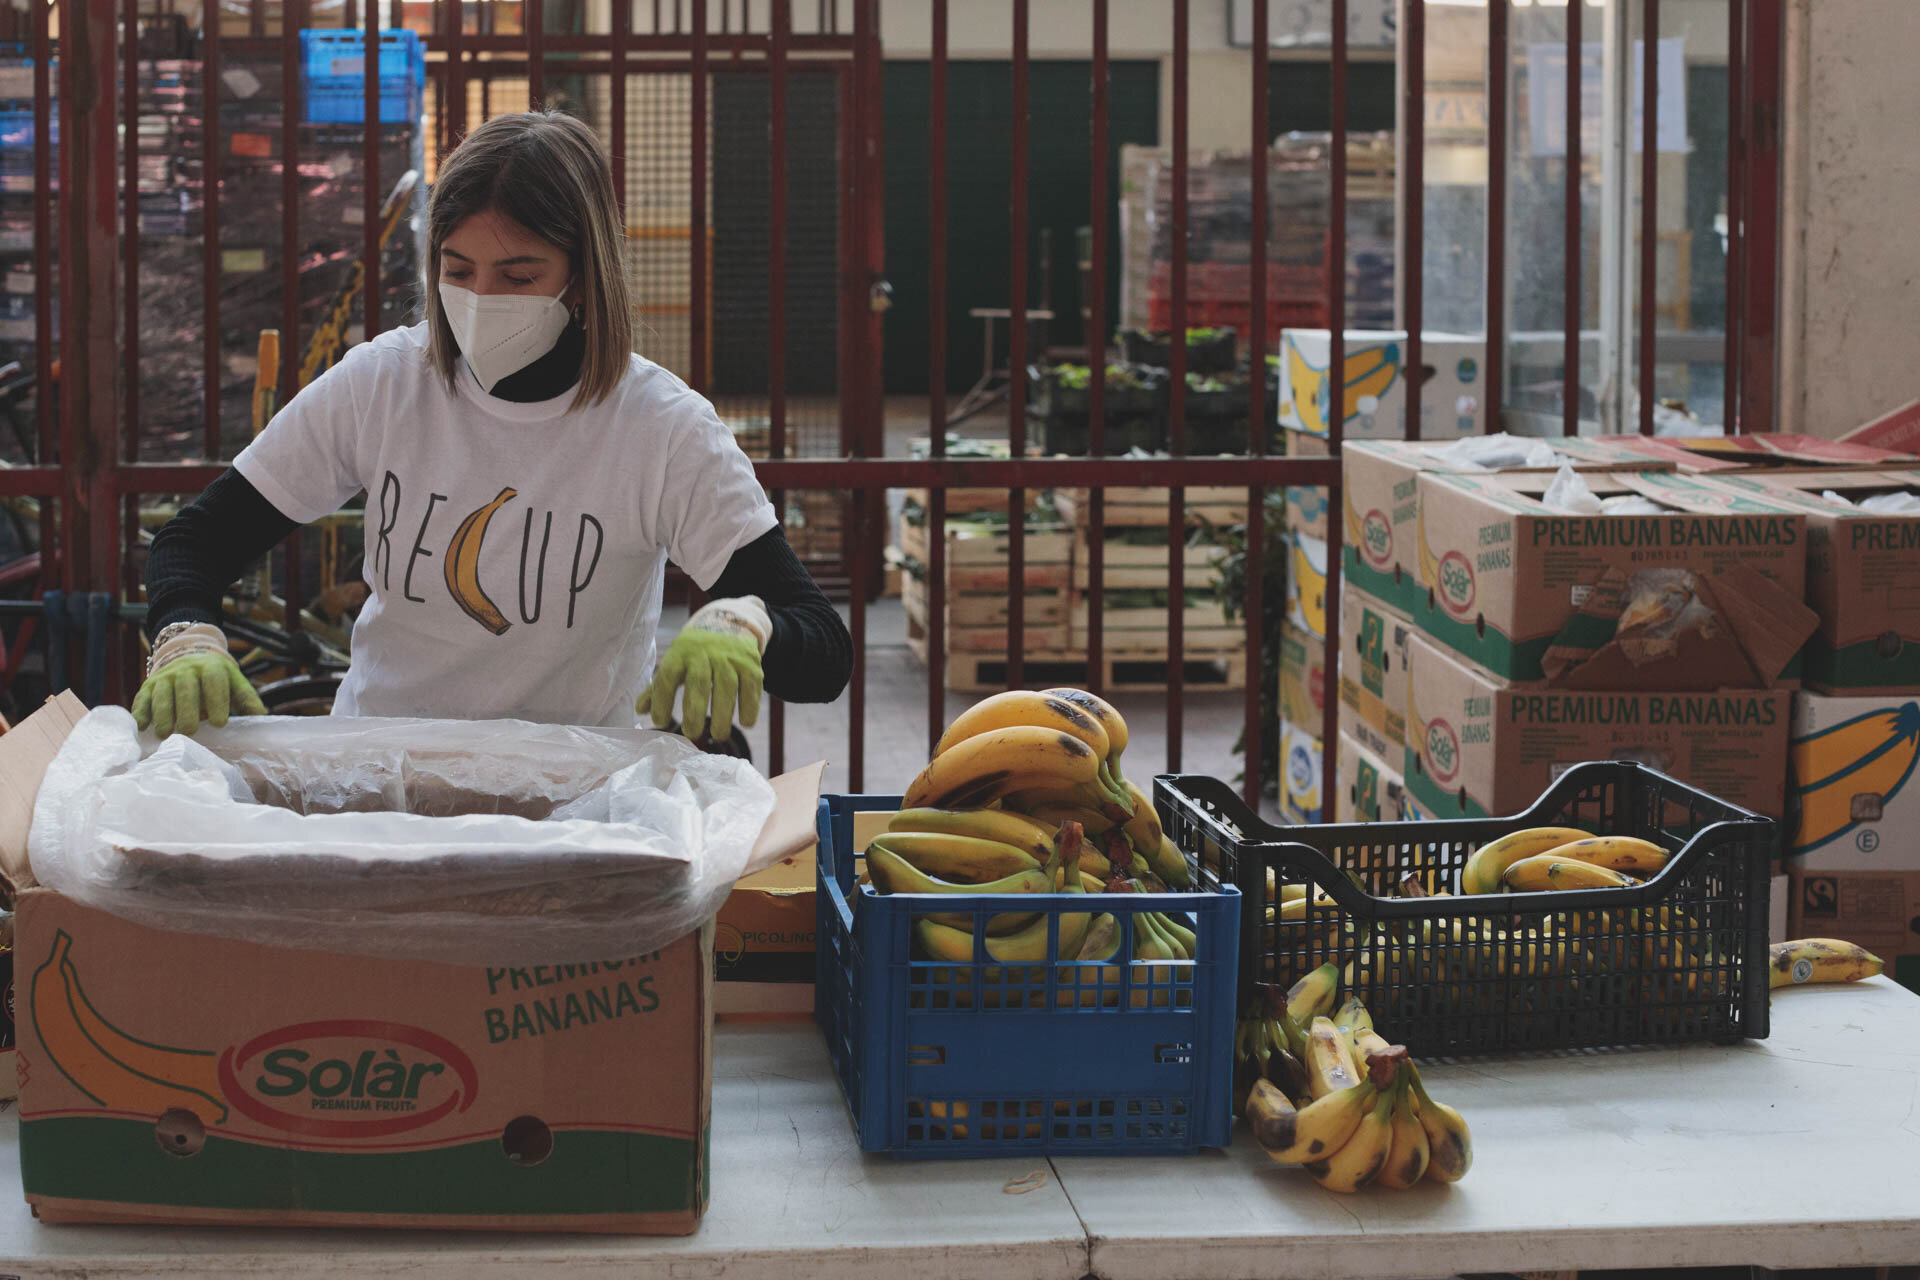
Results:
462 565
1188 940
1546 871
1143 828
1023 946
1148 942
1487 865
1819 960
1094 822
1449 1144
1017 829
1283 1067
1269 1115
115 1069
893 874
981 769
1169 864
1617 853
1318 1129
1357 1163
1041 794
1407 1160
1025 707
1096 864
1099 988
1353 1014
1330 1062
967 859
1110 720
1312 996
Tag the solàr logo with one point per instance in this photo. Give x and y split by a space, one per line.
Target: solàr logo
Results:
1443 751
1376 539
1456 583
351 1078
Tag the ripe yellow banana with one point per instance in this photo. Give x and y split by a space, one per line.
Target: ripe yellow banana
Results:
1353 1014
1023 946
1330 1064
113 1068
1269 1115
1547 871
1110 720
1169 864
969 860
1318 1129
1449 1144
1819 960
462 565
1357 1163
1407 1159
1025 707
1312 996
1143 828
1017 829
894 874
1185 937
1489 863
979 770
1617 853
1048 809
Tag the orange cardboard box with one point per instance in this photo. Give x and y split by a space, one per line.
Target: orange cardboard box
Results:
763 944
185 1078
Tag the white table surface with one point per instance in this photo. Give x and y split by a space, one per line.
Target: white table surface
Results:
1799 1151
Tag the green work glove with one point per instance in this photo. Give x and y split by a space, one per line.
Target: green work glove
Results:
192 678
716 658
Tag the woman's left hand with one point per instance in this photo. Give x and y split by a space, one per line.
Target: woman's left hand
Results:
716 659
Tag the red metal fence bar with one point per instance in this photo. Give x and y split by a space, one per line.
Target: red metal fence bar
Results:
370 281
780 19
1177 399
1096 340
1413 214
1649 203
699 357
212 371
293 16
1252 729
1498 79
1760 214
1570 373
935 568
1017 350
534 20
1736 220
865 388
45 394
1336 417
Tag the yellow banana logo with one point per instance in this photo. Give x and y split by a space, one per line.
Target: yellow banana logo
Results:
463 565
1310 585
111 1067
1846 774
1370 372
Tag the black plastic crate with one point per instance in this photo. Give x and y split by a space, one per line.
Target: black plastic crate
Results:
1681 958
1216 353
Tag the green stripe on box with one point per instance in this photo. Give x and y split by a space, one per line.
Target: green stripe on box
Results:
1381 584
1437 802
589 1172
1494 651
1860 666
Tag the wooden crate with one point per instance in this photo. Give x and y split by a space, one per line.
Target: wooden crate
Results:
984 640
1147 507
1044 605
1119 672
1126 565
977 556
963 501
813 524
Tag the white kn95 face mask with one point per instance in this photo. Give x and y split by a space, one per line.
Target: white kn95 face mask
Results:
502 333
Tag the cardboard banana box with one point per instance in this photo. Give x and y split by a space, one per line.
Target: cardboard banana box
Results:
1302 676
1301 759
1380 504
1863 576
1502 574
185 1078
1373 384
1479 748
1373 671
1368 788
1854 797
1878 909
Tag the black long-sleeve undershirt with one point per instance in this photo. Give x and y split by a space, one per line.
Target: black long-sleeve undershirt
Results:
211 542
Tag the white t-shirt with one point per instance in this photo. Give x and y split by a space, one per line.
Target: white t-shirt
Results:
516 552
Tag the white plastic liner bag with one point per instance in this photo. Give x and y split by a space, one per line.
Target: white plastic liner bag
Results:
466 842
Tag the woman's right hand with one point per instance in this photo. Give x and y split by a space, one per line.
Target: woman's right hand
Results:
199 684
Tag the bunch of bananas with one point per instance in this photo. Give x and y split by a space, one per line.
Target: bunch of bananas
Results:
1330 1093
1024 795
1546 858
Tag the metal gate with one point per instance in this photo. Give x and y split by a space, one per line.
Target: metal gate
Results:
86 469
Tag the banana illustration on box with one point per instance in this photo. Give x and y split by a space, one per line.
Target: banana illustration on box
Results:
463 565
1871 755
115 1069
1307 588
1369 374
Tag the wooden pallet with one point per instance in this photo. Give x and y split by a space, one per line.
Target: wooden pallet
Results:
1147 507
1119 672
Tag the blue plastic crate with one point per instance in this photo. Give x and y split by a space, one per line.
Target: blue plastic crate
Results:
333 54
986 1059
343 100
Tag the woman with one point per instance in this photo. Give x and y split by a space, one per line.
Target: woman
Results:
527 477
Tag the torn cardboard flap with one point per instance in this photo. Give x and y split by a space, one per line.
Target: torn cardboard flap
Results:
1677 630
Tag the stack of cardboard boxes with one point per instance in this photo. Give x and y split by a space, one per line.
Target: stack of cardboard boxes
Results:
1373 629
1853 838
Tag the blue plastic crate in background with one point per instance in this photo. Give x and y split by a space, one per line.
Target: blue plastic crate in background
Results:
985 1059
333 76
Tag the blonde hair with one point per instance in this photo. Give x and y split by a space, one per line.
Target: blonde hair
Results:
545 171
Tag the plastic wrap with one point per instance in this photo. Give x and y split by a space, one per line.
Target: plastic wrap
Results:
466 842
1497 452
1898 503
1569 494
